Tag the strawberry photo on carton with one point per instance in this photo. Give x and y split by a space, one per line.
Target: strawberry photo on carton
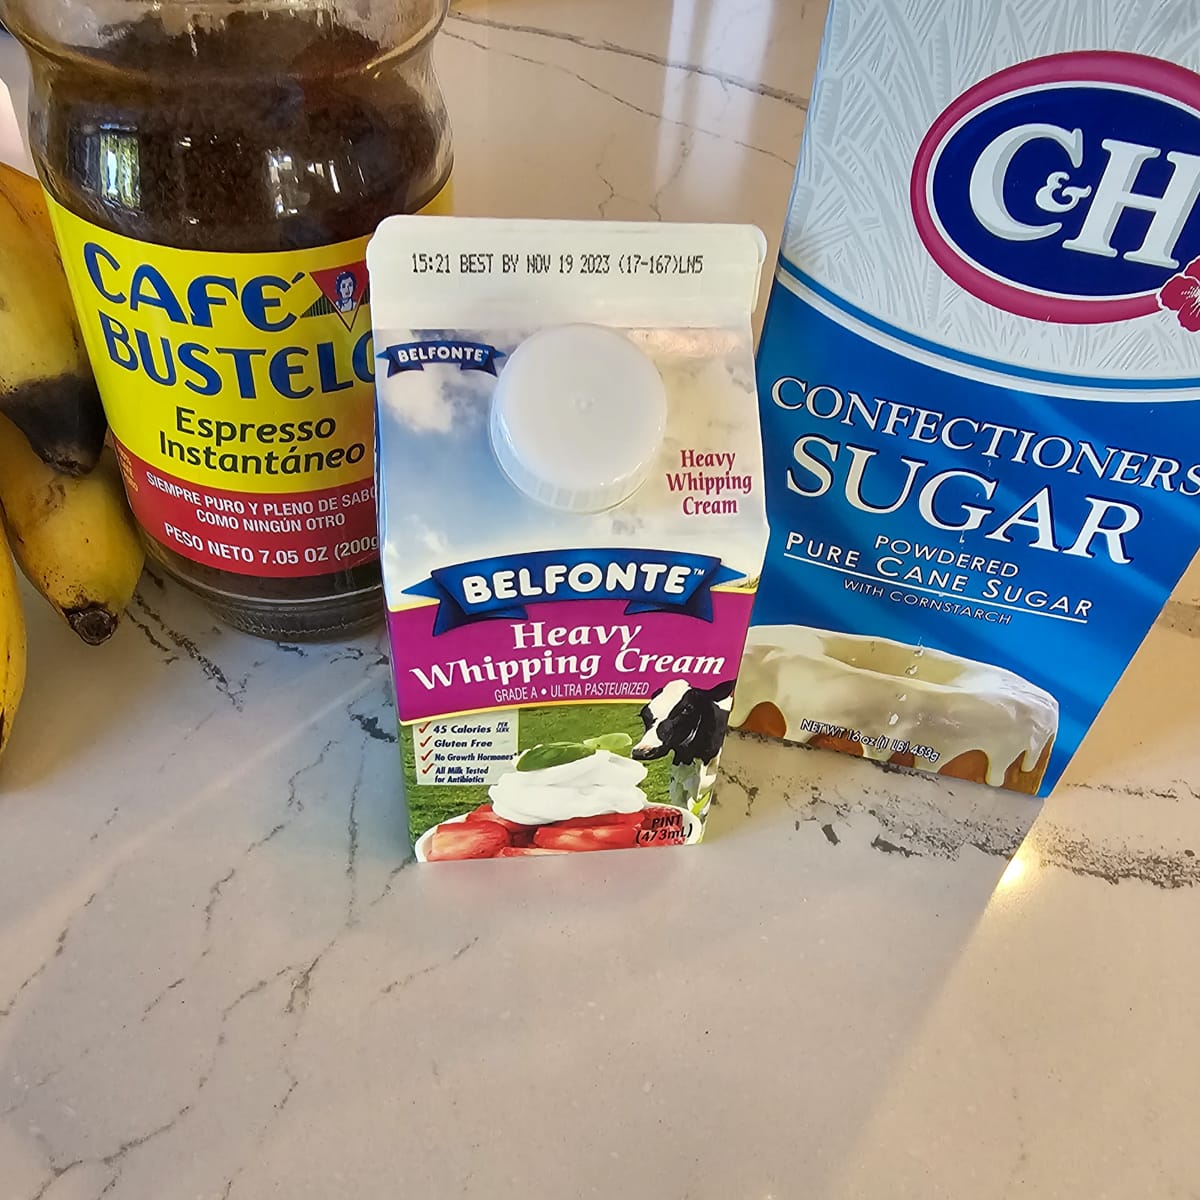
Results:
485 812
567 778
467 839
634 819
578 840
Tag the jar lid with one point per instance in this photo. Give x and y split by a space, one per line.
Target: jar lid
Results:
578 418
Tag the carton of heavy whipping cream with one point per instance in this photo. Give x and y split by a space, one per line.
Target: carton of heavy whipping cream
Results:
980 381
572 524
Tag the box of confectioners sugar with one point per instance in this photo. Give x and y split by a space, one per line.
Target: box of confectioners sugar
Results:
980 381
573 524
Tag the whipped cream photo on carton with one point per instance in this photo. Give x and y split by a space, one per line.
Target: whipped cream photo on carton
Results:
980 381
572 523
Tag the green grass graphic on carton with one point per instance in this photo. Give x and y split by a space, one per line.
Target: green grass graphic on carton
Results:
430 806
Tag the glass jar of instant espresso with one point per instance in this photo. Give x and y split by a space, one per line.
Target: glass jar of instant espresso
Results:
215 170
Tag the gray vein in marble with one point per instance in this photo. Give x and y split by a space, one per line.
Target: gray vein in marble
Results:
399 984
942 828
885 847
235 696
293 1081
1181 617
294 803
60 943
282 1102
280 1105
149 635
269 836
57 1173
215 892
352 844
116 1158
602 207
356 654
941 833
391 879
157 1000
914 830
371 727
1136 790
301 991
1019 1159
749 790
1163 869
226 1013
260 984
658 60
595 87
686 148
110 819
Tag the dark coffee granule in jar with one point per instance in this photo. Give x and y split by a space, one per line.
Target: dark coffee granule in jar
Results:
269 131
260 132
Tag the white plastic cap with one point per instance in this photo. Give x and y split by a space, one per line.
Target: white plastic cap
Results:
578 418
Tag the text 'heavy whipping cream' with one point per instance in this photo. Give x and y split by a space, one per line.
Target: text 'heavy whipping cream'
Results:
572 524
980 381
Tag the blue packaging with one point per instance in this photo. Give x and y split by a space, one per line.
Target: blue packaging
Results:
980 381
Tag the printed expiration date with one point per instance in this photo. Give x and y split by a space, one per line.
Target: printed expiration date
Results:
541 263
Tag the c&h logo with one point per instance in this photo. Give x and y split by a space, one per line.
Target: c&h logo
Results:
1065 189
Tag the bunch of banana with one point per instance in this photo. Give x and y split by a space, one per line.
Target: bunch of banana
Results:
65 517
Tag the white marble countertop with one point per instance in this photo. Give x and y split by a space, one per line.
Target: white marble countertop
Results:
218 980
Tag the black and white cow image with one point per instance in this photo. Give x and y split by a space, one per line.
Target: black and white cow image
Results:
689 723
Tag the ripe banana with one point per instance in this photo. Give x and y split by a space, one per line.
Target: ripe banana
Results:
46 383
12 642
74 538
26 193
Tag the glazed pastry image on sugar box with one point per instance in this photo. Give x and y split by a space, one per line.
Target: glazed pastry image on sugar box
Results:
572 524
964 719
979 380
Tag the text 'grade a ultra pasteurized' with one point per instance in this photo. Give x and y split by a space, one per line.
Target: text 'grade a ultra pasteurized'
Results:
980 381
572 523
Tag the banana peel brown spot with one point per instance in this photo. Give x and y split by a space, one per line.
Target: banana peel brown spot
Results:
94 623
51 500
62 418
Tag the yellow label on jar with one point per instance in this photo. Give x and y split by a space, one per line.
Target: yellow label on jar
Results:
240 390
